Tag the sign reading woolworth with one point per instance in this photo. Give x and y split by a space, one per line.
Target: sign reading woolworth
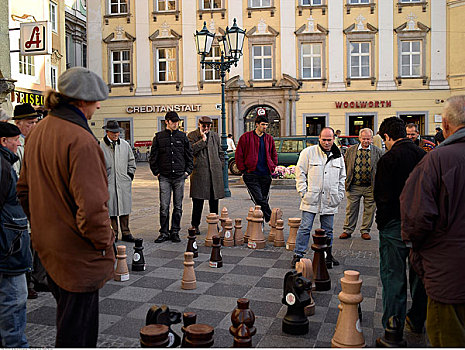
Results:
162 108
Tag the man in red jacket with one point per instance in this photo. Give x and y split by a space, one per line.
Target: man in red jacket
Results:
256 158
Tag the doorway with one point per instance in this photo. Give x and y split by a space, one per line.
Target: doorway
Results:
357 122
418 119
274 129
314 124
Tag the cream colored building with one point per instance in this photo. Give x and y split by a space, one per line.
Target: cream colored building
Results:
344 63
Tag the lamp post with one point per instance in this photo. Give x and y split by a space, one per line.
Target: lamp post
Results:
231 51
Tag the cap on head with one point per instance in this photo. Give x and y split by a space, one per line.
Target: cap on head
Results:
24 111
172 116
112 125
82 84
9 130
205 120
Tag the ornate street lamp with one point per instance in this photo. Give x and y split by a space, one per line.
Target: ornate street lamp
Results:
231 51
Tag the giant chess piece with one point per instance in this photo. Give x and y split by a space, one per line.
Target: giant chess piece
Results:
121 271
188 277
296 298
212 220
154 336
249 224
257 239
163 315
242 337
228 239
279 235
199 335
223 217
238 235
294 224
276 214
393 335
188 318
192 243
348 333
216 260
320 272
138 260
304 266
242 315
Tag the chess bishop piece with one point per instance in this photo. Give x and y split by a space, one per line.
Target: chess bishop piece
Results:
238 235
294 224
188 318
154 336
216 260
138 260
276 214
192 243
257 239
121 271
296 298
304 266
188 277
212 220
228 239
320 272
348 333
279 235
199 335
223 217
247 231
163 316
242 315
393 335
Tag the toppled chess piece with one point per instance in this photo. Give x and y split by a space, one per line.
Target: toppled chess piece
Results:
188 277
294 224
296 298
163 315
199 335
276 214
257 239
138 260
228 239
242 337
238 235
154 336
188 318
242 315
348 333
212 220
279 235
121 271
216 260
192 243
249 223
320 271
393 335
304 266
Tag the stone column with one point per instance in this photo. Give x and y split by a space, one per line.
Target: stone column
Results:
386 46
95 13
6 84
288 47
438 45
189 52
142 48
336 45
235 11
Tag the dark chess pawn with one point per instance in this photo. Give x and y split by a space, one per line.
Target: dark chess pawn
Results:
199 336
296 298
154 336
216 259
138 260
242 314
393 335
188 318
163 315
192 243
320 271
242 338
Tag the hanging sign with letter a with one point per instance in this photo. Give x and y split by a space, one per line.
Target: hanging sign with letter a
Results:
35 38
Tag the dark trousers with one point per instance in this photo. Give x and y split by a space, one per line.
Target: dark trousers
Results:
77 317
197 207
170 186
259 190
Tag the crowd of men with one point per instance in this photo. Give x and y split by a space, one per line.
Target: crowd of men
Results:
70 194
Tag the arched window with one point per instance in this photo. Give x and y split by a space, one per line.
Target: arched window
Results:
274 128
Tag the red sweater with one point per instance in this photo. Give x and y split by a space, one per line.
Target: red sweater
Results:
247 152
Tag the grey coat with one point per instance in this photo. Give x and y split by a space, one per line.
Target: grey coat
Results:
121 166
349 160
208 166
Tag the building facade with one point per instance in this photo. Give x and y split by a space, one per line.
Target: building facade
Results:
347 64
75 28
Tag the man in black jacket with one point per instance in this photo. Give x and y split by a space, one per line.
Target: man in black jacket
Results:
171 160
393 170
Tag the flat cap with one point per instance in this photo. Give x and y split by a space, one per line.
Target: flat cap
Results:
82 84
25 111
9 130
205 120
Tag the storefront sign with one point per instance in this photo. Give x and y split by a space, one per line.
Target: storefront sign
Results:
27 97
162 108
363 104
35 38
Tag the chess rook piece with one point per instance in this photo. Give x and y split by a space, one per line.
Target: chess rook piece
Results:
294 224
348 333
242 337
238 235
279 235
276 214
304 266
154 336
188 276
192 243
247 231
320 272
257 239
212 220
215 258
163 315
199 335
228 240
393 335
296 297
188 318
121 271
242 315
223 217
138 260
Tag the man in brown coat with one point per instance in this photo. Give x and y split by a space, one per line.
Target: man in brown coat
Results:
207 177
64 192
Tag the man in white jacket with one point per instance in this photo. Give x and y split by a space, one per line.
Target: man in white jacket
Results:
320 181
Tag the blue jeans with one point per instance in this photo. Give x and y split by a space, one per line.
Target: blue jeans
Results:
13 298
303 233
176 187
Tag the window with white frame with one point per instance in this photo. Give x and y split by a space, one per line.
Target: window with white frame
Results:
311 60
359 59
260 3
166 64
53 15
408 1
359 2
26 65
410 58
118 7
120 67
311 2
211 4
53 77
209 73
262 64
166 5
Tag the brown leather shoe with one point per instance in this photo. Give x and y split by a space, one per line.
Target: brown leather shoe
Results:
366 236
345 235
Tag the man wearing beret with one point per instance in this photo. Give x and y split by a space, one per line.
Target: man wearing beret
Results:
15 254
63 189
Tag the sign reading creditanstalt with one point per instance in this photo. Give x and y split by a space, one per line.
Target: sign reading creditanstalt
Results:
162 108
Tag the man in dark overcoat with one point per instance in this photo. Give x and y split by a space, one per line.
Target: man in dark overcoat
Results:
207 177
